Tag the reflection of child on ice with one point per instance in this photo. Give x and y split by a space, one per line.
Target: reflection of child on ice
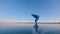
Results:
36 19
35 30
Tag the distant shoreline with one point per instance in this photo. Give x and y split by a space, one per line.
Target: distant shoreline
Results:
38 23
29 23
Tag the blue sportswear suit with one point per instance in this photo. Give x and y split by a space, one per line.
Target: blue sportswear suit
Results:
36 17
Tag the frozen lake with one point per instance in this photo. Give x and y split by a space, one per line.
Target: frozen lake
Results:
29 29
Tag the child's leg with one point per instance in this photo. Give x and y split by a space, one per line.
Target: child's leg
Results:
36 21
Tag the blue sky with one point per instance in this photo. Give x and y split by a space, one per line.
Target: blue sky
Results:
22 9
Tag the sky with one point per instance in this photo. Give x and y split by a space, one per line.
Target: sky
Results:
20 10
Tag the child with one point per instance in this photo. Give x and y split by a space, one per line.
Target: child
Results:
36 18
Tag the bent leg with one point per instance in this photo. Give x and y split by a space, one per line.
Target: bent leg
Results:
36 21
